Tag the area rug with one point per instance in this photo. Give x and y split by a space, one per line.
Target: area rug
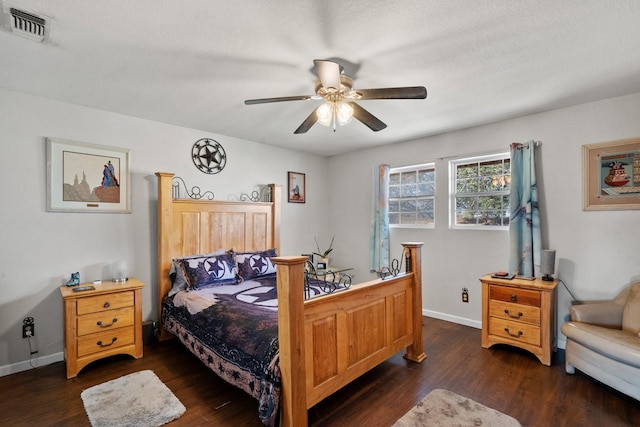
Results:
135 400
443 408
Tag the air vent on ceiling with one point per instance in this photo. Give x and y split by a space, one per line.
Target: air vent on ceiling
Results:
27 25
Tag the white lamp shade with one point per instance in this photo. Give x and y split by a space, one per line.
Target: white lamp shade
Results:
120 270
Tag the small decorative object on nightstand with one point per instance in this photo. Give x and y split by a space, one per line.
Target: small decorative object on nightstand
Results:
74 280
100 320
521 313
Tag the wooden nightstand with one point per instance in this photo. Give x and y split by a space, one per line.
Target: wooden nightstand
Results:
521 313
101 322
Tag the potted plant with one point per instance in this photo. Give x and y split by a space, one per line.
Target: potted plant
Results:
324 255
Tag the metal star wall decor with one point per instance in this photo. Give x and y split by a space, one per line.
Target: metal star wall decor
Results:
208 156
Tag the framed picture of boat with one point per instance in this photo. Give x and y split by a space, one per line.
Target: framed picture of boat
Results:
87 178
296 188
611 175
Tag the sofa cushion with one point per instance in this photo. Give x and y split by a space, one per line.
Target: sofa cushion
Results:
631 313
613 343
607 313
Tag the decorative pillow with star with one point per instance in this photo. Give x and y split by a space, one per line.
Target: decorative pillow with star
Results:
176 276
208 270
255 264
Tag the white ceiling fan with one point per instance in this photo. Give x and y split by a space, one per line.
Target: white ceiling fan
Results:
336 89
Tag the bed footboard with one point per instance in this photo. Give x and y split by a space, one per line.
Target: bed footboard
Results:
329 341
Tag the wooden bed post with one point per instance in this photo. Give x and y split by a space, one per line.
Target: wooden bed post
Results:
415 352
293 405
164 241
276 197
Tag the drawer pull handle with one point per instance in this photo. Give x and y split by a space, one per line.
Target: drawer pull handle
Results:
517 316
99 323
518 335
106 305
114 339
514 297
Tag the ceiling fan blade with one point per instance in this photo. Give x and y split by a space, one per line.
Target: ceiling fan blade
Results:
411 92
280 99
308 122
367 118
328 73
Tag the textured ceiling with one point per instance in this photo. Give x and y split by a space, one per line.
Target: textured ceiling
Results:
193 63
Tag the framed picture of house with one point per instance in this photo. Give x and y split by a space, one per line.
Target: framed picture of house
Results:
296 190
611 175
87 178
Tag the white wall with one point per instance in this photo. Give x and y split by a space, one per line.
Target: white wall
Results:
596 252
40 249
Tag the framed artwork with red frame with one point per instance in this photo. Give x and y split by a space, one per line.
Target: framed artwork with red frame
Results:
297 192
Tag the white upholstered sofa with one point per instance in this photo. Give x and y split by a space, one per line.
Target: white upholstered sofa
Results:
603 341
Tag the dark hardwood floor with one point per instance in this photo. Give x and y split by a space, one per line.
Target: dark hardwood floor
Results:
504 378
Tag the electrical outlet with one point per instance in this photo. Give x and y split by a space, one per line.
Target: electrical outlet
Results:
28 327
465 295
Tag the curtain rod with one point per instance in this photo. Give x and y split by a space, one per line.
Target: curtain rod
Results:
477 153
488 152
520 146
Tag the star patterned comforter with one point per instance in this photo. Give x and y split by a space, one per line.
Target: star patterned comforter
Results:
233 330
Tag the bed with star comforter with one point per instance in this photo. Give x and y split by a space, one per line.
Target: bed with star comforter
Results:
233 329
224 308
320 349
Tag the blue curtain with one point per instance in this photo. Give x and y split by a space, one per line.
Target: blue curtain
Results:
524 224
379 243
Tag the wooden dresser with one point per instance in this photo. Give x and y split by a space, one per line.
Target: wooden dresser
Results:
101 322
520 313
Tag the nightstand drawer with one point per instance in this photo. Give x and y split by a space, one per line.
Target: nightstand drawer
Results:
515 295
106 340
517 312
105 302
102 321
521 332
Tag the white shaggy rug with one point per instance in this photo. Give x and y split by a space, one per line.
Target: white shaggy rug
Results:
443 408
135 400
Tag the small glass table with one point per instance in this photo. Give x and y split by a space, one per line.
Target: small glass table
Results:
327 279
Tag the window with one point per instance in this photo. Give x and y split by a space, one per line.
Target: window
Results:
479 193
412 192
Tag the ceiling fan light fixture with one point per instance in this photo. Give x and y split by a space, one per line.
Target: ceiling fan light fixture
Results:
332 112
344 113
325 114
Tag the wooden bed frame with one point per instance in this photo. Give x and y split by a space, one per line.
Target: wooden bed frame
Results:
325 342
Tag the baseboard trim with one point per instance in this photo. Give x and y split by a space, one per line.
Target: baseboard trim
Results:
37 362
59 357
454 319
562 342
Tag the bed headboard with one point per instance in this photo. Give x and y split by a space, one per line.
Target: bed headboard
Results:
187 227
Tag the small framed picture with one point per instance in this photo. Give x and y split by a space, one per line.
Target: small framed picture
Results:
611 175
296 189
87 178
